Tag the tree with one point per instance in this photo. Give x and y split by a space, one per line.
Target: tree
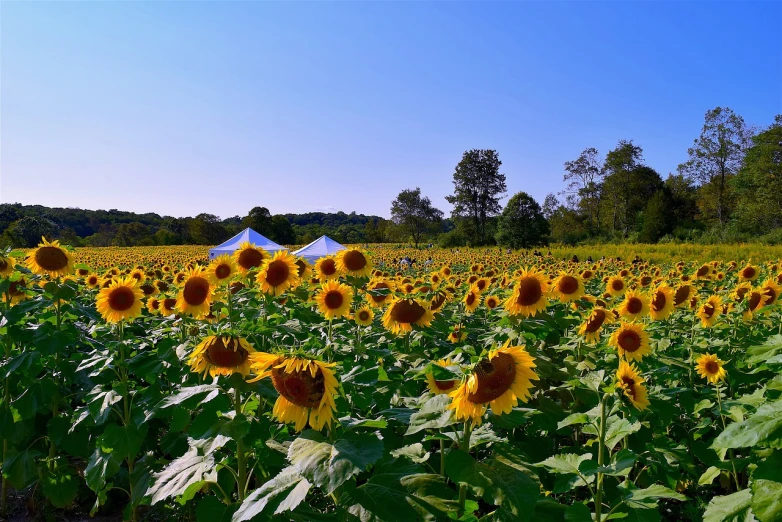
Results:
130 234
550 205
758 184
414 214
206 229
567 226
714 159
27 231
584 177
657 218
260 220
522 224
478 188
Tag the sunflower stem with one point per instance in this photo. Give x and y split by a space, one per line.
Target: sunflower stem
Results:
442 457
600 454
463 486
240 455
730 451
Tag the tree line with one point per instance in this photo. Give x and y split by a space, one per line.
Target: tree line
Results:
728 189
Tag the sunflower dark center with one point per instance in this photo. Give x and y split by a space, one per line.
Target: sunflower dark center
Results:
567 285
755 300
51 258
162 286
121 298
15 288
492 302
354 260
708 310
595 321
617 284
646 280
92 280
495 377
444 385
681 295
196 290
530 291
629 340
741 292
328 267
634 305
301 267
772 295
80 271
155 304
300 388
470 299
218 354
236 286
438 301
222 271
333 299
363 315
407 312
277 273
659 301
748 272
702 271
712 367
587 274
148 289
629 386
169 303
250 258
3 264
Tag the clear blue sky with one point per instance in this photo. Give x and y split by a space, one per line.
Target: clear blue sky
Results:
187 107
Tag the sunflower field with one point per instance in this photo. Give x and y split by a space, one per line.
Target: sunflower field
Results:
153 384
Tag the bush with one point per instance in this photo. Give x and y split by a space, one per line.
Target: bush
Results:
452 239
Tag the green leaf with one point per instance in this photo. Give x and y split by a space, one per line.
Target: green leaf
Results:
767 489
618 429
646 498
100 401
567 463
60 486
122 441
100 466
282 493
578 513
730 508
496 481
764 427
414 452
708 476
20 469
327 466
186 393
210 509
621 464
188 469
399 492
765 351
433 414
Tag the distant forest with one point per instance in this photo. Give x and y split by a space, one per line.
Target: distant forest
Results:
23 226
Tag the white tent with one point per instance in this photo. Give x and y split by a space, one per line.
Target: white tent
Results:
246 235
323 246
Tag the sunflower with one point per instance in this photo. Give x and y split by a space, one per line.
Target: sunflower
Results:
661 304
138 275
683 294
440 387
710 311
500 380
195 297
50 259
92 280
15 291
772 290
568 287
353 263
631 341
221 270
248 256
710 367
616 286
307 389
740 291
153 305
7 266
278 273
374 297
438 301
304 269
472 299
748 273
457 334
364 316
632 385
326 269
218 355
591 328
529 294
168 306
402 314
492 302
635 306
334 299
120 300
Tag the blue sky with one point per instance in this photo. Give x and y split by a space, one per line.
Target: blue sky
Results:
187 107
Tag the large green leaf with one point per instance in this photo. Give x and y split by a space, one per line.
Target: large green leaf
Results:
328 465
20 469
646 498
398 491
210 509
186 393
181 473
100 466
60 486
282 493
565 463
100 401
122 441
730 508
767 489
765 351
496 481
433 414
763 428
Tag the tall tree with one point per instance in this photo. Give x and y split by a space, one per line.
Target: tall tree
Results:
260 220
584 178
414 214
522 224
759 182
478 188
550 205
714 158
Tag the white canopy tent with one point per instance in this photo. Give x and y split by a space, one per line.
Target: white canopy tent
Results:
321 247
246 235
